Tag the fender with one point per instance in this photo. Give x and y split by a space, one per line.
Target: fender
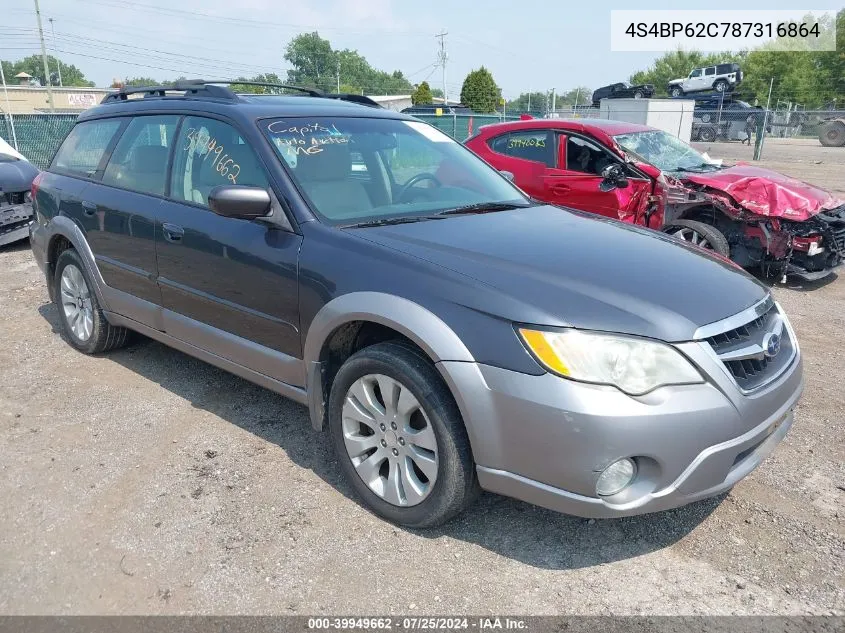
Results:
63 226
419 324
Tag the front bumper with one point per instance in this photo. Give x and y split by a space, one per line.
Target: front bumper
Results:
14 222
545 440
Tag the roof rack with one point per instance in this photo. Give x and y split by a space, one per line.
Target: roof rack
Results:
203 89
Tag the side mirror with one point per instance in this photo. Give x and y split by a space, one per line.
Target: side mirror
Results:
239 201
613 178
507 174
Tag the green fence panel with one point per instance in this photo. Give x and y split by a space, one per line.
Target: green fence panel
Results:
39 135
458 125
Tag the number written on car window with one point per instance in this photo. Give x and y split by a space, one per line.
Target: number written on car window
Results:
199 141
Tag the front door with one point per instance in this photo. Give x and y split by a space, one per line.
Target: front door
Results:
228 286
576 181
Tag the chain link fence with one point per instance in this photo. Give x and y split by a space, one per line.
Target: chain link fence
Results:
38 135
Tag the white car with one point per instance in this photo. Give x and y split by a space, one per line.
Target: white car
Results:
721 78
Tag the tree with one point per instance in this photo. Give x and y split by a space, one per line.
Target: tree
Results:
580 95
480 92
437 92
139 81
267 78
71 75
422 95
315 64
536 102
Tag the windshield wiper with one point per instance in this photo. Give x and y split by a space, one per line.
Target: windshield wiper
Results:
484 207
699 168
389 221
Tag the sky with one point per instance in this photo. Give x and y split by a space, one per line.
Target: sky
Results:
530 45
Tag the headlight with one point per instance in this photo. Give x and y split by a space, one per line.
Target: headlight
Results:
634 365
27 197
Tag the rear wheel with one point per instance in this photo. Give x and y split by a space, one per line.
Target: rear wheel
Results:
399 436
676 92
720 86
83 322
832 134
699 234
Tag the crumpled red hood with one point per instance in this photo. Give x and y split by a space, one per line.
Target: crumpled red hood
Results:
767 192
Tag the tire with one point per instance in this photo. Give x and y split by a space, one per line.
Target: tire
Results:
720 86
450 484
676 92
83 322
638 94
706 117
832 134
692 232
707 134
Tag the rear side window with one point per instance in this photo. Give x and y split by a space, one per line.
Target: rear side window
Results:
209 153
723 69
84 147
710 71
536 146
139 160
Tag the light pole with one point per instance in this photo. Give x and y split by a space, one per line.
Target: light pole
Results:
44 59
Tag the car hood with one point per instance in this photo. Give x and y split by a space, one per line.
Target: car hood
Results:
676 81
556 267
766 192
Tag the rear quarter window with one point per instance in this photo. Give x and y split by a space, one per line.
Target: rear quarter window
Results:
85 146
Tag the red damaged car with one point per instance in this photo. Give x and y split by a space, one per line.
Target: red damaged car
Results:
638 174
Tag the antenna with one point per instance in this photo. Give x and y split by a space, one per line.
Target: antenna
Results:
442 56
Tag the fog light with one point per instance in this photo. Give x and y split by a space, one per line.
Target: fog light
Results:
616 477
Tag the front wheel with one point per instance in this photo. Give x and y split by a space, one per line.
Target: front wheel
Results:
676 92
638 94
832 134
707 134
399 436
699 234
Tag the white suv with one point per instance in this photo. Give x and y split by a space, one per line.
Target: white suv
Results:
720 78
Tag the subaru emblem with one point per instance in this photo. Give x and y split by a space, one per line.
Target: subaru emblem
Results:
771 344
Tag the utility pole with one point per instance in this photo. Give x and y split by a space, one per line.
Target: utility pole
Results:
58 63
338 76
553 100
442 56
44 59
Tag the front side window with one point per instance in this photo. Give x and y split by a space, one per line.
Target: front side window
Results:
585 156
139 160
209 153
696 73
84 147
533 145
412 168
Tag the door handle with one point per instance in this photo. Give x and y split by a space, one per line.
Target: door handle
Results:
559 188
172 232
89 208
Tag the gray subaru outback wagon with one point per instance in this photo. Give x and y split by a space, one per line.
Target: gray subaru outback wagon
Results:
447 331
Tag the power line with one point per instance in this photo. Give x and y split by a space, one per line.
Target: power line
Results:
442 56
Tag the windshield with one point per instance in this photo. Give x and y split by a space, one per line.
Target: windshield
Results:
664 151
359 170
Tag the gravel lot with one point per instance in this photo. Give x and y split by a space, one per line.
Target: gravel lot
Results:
147 482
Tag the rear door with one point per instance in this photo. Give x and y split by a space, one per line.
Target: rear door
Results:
576 180
228 285
527 154
123 210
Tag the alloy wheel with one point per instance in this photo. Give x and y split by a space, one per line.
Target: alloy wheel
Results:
76 303
390 440
692 236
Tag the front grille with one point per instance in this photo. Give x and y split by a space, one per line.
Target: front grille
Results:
742 351
835 220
